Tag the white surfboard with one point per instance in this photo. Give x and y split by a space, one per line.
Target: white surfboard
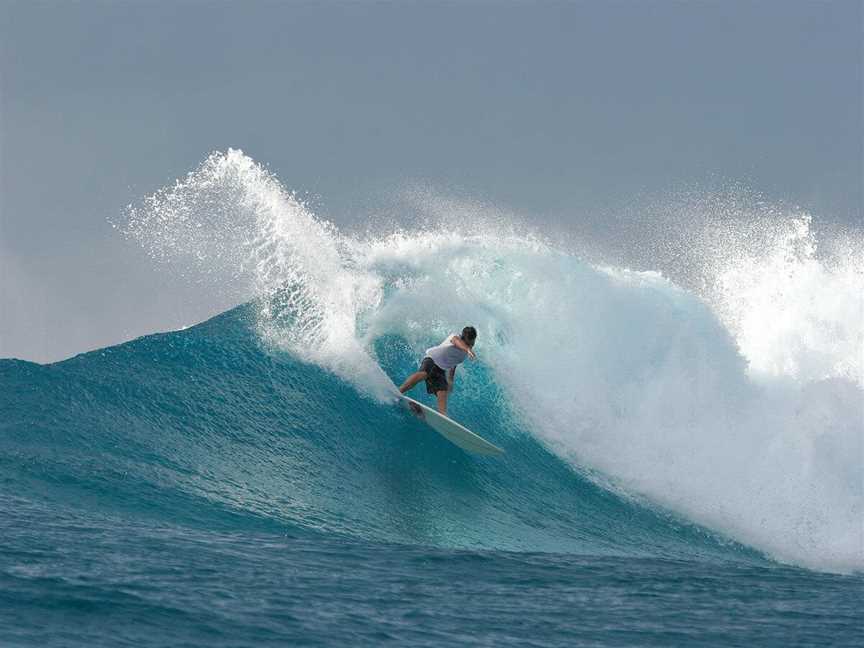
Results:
450 429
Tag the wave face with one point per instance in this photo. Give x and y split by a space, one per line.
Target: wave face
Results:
639 418
205 426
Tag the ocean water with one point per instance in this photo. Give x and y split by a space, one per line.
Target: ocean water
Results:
683 461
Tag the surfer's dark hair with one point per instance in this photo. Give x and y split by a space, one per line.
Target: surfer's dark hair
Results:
469 334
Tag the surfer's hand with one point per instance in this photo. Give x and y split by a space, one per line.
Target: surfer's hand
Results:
471 354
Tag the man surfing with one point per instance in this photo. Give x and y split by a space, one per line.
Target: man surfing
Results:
438 367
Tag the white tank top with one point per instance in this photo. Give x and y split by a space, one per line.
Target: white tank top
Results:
446 355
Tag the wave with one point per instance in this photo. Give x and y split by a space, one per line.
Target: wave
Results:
619 396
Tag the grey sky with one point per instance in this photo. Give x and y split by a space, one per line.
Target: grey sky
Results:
550 109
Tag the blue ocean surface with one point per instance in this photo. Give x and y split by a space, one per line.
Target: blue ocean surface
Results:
195 488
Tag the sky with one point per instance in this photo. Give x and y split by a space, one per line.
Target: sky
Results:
556 110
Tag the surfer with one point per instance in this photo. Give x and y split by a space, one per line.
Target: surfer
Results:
438 367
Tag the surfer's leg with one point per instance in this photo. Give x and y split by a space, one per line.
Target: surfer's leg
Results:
442 401
412 380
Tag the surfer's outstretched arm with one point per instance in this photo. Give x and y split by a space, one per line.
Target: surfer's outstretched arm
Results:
460 344
451 377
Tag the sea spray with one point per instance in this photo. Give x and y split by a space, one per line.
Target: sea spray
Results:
230 218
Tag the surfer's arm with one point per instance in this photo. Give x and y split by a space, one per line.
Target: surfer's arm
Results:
458 343
451 376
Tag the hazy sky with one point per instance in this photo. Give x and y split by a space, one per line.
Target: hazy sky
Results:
551 109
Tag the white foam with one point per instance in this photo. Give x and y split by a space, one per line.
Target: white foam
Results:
793 313
231 219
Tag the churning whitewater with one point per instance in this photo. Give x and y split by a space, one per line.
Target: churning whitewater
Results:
737 406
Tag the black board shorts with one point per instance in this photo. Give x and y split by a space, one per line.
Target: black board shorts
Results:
436 379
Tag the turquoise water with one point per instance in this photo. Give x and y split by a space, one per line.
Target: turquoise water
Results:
199 488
